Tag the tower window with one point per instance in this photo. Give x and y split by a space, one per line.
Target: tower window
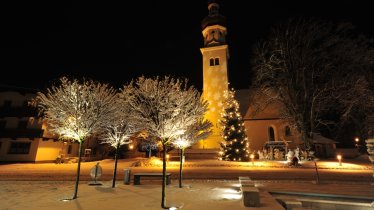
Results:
211 61
216 61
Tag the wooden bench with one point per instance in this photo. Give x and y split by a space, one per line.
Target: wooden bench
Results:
138 175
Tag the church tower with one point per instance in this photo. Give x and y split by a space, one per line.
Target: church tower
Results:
215 55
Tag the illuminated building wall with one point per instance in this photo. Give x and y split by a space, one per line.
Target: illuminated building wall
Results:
263 122
23 136
215 82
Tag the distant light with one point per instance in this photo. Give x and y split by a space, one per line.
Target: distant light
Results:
252 156
357 140
339 157
131 146
167 157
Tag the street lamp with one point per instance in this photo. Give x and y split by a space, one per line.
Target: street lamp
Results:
339 157
357 141
167 158
252 156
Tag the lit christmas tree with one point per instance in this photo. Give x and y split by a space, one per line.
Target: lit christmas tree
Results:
236 145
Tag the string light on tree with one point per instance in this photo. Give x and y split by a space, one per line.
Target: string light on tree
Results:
236 145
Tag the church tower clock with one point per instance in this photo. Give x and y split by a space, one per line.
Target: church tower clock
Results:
215 55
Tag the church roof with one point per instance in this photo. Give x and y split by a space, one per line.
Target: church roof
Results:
318 139
213 20
256 105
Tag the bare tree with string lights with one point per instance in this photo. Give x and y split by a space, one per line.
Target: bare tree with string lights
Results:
76 110
164 108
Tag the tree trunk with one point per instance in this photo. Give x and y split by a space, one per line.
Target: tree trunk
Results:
163 175
305 140
115 167
180 168
78 170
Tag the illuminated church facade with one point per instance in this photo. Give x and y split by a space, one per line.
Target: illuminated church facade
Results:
262 128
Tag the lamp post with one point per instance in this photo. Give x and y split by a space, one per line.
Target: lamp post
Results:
252 156
339 157
167 158
357 141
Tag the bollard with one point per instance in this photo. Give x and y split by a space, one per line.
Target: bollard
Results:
127 173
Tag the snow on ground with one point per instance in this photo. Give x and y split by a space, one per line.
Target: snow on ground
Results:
196 194
213 189
48 195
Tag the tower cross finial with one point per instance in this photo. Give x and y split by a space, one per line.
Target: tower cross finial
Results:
213 7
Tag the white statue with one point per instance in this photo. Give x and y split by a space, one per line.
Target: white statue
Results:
297 153
290 155
260 155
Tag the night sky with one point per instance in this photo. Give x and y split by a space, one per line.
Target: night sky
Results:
115 41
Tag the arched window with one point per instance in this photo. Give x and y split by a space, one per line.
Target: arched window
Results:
271 134
216 61
287 131
211 61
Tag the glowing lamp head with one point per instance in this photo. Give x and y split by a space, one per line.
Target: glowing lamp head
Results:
357 140
167 156
252 156
131 147
339 157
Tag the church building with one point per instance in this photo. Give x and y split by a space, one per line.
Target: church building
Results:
264 128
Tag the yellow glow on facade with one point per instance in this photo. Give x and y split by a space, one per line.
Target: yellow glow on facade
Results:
215 83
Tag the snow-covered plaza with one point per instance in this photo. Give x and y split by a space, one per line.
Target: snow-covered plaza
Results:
208 184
